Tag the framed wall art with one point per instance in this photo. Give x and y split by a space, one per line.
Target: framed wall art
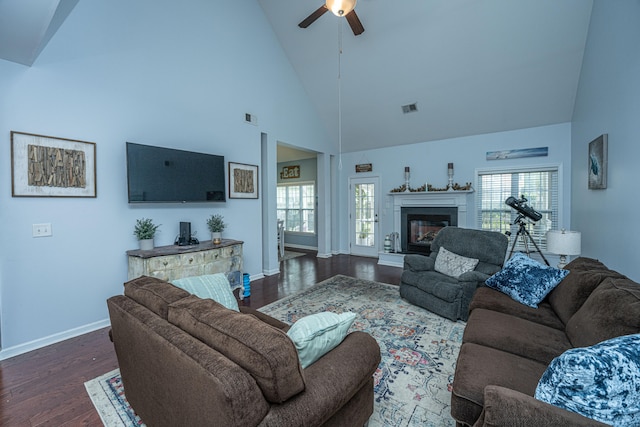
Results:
243 181
598 162
45 166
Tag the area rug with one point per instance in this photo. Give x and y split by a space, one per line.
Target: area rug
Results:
412 385
290 255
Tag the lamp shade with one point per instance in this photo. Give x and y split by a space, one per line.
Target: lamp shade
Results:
564 242
341 7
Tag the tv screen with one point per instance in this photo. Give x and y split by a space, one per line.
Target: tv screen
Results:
156 174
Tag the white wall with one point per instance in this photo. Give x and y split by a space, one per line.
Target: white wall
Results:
153 72
428 163
608 101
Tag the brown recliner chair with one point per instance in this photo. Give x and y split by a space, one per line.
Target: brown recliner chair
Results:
191 361
449 296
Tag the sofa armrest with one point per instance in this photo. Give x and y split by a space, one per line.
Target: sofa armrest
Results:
503 406
473 276
418 262
265 318
330 382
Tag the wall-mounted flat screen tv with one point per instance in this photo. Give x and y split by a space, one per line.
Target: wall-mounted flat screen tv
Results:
166 175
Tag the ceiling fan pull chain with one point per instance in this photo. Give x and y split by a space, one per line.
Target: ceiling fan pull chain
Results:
339 95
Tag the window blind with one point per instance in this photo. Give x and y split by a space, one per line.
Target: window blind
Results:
539 186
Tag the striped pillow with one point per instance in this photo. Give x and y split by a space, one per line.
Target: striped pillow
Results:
212 286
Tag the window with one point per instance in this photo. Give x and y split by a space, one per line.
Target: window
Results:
539 186
297 207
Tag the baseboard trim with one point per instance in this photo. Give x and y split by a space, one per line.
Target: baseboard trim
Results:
271 272
17 350
308 248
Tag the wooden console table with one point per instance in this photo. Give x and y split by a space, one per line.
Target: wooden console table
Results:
175 262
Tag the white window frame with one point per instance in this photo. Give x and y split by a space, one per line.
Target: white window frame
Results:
540 236
315 208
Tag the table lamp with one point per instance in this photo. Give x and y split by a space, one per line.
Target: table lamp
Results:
563 243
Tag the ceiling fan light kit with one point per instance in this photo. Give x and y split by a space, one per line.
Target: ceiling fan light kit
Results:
341 7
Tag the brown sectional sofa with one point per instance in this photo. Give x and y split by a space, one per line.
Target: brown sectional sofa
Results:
191 361
507 346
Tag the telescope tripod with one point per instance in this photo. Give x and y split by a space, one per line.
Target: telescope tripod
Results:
524 234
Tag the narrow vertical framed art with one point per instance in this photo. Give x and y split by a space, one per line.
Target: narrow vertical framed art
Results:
598 162
46 166
243 181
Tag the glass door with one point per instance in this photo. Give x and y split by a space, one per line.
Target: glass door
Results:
364 235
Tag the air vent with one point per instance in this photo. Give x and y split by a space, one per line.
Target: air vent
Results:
410 108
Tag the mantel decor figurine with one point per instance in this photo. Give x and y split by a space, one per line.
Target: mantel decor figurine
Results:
407 175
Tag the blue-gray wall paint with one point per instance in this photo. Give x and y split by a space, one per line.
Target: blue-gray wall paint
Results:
153 72
428 163
608 101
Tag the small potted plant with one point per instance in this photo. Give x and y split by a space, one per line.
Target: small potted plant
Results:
145 230
216 226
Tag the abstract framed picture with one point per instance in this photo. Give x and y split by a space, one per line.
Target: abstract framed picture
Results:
46 166
243 181
598 162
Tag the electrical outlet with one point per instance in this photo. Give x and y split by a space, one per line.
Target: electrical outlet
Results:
42 230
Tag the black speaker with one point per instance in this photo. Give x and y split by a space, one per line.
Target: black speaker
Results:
185 234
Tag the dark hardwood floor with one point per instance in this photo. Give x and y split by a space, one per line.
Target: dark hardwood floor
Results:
45 387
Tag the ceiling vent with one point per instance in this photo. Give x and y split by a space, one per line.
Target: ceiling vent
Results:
410 108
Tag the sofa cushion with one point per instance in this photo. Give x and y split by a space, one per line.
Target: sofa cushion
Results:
266 352
612 310
514 335
433 283
319 333
213 286
154 293
585 263
526 280
452 264
601 382
494 300
478 366
567 298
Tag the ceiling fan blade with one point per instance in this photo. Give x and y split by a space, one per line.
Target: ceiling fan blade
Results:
354 22
315 15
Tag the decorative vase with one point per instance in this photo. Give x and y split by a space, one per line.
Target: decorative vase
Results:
216 237
146 244
246 281
387 244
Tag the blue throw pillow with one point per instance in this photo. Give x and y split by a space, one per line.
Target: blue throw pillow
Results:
601 382
526 280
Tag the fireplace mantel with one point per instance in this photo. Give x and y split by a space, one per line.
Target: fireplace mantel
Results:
431 198
424 199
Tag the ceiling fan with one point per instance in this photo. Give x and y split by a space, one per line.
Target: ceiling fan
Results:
344 8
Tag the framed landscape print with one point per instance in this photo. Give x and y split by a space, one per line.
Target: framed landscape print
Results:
598 162
243 181
45 166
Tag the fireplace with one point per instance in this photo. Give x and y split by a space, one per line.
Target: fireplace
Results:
420 225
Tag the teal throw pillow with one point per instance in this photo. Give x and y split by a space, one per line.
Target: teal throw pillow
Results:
526 280
601 382
317 334
212 286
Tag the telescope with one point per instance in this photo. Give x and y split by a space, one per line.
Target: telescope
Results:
523 208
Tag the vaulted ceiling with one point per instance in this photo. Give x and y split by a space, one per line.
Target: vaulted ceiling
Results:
469 66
